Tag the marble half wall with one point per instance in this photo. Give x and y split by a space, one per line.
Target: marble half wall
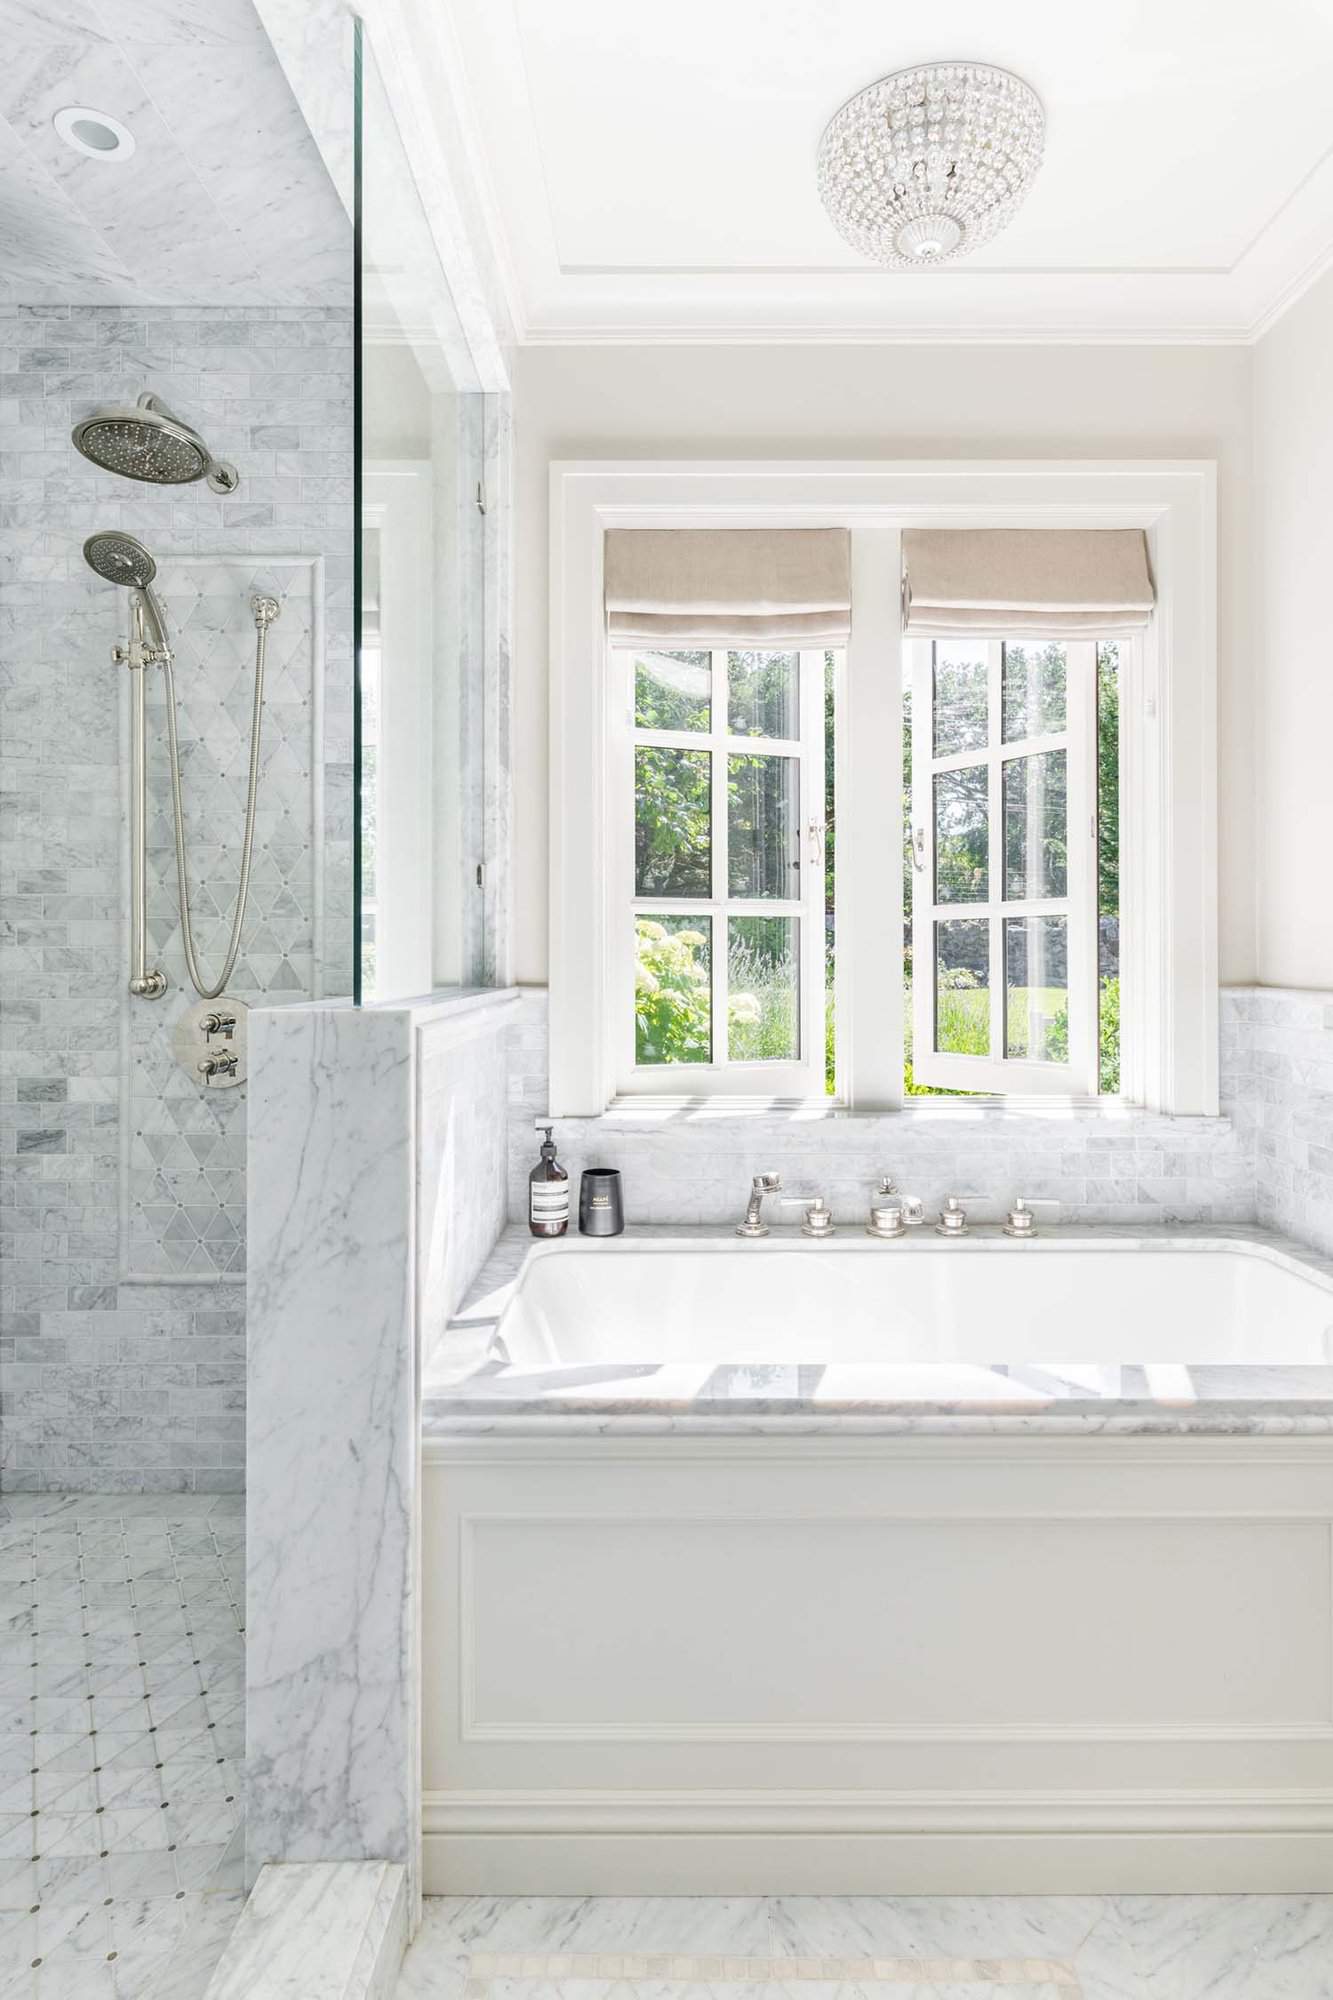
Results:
375 1188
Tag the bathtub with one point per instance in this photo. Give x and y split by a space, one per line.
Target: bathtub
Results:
923 1300
920 1567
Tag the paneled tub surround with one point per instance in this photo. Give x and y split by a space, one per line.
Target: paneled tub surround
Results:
965 1558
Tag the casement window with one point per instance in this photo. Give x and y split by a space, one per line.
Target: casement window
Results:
716 798
1022 886
1004 853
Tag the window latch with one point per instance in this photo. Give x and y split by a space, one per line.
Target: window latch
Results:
919 849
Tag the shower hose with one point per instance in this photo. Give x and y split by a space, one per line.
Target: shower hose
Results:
265 611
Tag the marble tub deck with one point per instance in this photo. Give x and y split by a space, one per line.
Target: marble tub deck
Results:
466 1391
873 1948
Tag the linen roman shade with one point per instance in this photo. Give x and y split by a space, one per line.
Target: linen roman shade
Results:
709 586
1039 582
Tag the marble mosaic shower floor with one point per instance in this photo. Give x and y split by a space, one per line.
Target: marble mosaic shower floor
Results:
873 1948
121 1743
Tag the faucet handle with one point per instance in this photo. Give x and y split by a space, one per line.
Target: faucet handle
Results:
953 1216
886 1185
1020 1221
818 1214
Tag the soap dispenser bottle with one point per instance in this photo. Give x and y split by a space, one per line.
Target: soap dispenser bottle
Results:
548 1192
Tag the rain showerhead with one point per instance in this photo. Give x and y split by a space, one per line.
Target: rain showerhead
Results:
117 558
147 442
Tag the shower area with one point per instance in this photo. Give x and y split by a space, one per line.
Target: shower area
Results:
176 448
176 844
245 551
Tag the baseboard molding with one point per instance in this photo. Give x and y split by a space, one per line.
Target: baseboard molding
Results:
617 1843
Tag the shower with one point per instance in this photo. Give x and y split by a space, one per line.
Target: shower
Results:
118 558
147 441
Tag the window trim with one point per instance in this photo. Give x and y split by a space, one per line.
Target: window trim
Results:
1168 751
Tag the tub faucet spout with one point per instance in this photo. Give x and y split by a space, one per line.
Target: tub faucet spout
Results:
754 1224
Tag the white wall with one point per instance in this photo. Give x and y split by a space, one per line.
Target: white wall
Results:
878 402
1293 432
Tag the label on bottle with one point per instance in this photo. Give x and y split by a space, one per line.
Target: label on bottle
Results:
548 1201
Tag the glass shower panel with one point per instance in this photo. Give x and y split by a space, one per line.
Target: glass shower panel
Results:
419 725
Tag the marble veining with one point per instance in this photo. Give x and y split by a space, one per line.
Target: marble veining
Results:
317 1928
467 1389
331 1446
1224 1947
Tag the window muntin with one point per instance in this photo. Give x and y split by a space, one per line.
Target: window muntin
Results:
723 968
1004 862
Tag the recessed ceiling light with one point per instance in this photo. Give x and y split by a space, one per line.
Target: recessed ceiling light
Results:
96 134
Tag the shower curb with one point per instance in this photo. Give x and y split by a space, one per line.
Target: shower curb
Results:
320 1930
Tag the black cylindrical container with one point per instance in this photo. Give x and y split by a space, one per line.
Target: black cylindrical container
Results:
601 1211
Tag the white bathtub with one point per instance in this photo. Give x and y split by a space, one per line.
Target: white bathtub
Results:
666 1654
921 1300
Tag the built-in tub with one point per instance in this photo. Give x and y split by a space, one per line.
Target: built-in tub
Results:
922 1566
922 1300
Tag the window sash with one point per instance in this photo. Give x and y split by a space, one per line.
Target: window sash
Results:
998 1072
803 1078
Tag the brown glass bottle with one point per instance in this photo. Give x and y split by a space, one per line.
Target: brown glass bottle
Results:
548 1192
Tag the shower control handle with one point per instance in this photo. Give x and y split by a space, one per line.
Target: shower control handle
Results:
218 1024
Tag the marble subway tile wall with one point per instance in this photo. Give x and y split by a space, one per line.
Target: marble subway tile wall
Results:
1277 1052
697 1166
122 1326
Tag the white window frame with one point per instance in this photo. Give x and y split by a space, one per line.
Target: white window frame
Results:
799 1079
998 1072
1168 745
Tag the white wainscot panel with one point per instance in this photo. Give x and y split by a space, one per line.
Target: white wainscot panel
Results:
834 1629
850 1665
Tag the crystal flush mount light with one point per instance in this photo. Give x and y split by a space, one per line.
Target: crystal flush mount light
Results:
928 163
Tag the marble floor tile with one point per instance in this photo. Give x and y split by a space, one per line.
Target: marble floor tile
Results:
873 1948
1229 1947
924 1926
120 1726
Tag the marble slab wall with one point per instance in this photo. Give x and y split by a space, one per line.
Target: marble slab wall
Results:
376 1189
332 1449
121 1309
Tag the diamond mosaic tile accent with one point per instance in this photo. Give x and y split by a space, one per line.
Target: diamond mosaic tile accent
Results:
122 1668
185 1160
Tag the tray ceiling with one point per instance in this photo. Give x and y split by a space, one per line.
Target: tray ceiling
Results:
650 168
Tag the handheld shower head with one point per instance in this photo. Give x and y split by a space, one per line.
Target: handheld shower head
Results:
148 442
117 558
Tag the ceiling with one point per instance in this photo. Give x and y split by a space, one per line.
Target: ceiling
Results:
225 197
650 167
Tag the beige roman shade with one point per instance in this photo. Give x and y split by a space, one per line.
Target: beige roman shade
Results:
709 586
1037 582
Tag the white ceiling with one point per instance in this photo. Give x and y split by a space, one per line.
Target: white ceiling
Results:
224 198
650 165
